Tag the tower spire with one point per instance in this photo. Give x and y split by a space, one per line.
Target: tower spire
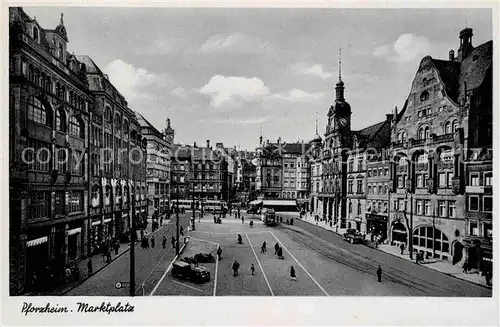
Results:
62 20
316 121
340 64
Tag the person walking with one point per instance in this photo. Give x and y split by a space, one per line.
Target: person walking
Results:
292 274
252 269
465 267
379 274
182 231
280 253
164 242
152 241
263 248
89 267
117 246
276 247
172 240
147 242
219 253
236 266
242 219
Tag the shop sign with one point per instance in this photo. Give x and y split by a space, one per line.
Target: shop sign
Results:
376 217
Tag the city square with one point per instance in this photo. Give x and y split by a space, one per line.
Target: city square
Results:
365 169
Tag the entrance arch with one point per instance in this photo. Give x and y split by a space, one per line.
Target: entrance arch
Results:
432 241
458 250
399 233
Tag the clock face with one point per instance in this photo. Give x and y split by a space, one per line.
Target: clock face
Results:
343 122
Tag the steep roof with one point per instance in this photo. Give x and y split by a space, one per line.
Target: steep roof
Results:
375 136
449 72
145 123
474 67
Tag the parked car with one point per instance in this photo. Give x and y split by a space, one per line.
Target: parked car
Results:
187 271
204 258
254 211
353 236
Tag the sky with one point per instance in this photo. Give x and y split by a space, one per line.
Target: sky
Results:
225 75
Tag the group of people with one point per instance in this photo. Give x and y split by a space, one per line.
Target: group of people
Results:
107 246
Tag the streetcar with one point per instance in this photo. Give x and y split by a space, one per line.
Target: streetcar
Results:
269 217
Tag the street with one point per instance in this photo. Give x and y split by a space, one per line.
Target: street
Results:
325 265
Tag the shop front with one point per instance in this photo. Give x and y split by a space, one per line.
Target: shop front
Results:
479 254
74 243
37 256
96 235
376 225
399 234
108 227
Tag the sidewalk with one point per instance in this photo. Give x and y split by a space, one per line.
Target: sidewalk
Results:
98 263
441 266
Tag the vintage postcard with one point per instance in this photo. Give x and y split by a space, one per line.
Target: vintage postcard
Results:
227 164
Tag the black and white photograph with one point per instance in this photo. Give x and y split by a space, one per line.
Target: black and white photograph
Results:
171 152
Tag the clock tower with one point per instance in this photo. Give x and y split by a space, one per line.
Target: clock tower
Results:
341 110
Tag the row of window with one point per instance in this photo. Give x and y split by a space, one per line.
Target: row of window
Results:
486 230
475 180
450 127
38 203
38 156
378 189
160 188
378 172
108 117
474 203
446 208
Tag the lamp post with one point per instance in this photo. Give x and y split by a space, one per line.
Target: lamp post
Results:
132 249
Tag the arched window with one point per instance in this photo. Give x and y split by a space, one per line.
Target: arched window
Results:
60 120
125 126
71 98
118 193
37 112
424 96
108 115
58 90
76 127
454 126
96 195
125 194
447 128
48 84
63 93
359 207
427 132
429 239
117 120
401 136
107 195
421 133
350 207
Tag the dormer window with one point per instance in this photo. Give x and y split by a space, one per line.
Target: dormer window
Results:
35 34
61 52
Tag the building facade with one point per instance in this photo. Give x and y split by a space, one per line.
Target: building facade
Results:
180 159
377 196
429 138
54 118
158 168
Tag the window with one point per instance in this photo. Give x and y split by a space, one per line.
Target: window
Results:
75 128
62 159
369 189
76 163
487 203
360 186
60 120
427 207
473 203
474 179
442 208
454 126
443 180
96 195
349 186
488 176
59 199
75 201
386 171
424 96
360 164
359 208
107 195
35 33
473 228
380 189
38 155
350 207
420 181
37 111
487 230
447 128
369 173
38 205
419 207
451 209
350 166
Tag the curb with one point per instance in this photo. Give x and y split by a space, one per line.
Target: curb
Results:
442 272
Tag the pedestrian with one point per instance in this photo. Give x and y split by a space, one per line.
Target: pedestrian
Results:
487 277
147 242
236 266
263 248
173 241
242 219
182 231
108 255
152 241
465 267
276 247
280 253
164 242
379 274
417 257
219 253
117 246
292 274
252 269
89 267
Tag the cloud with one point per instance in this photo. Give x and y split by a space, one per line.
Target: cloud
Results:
179 92
298 96
314 70
407 48
133 82
161 46
235 42
250 121
233 90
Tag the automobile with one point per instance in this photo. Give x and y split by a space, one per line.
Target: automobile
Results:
187 271
204 257
353 236
254 211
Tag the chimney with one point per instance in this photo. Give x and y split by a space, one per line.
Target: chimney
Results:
208 144
194 145
451 55
465 43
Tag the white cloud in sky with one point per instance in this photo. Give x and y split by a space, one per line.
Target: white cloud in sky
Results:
250 121
161 46
235 42
406 48
179 92
233 90
297 95
314 70
133 82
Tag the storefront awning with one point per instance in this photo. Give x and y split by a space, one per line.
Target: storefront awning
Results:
279 203
107 220
95 223
74 231
37 241
255 202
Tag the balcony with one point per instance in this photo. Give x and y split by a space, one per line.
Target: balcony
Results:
442 138
475 189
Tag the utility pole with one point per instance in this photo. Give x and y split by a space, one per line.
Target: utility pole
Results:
132 250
